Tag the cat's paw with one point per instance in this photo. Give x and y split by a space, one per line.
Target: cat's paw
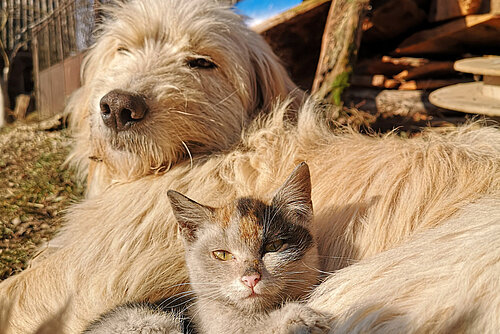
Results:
298 318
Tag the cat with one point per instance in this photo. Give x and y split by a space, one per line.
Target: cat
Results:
246 261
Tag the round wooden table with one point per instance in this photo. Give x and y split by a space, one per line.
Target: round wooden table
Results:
481 97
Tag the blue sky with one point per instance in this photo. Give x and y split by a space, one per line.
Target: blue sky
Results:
259 10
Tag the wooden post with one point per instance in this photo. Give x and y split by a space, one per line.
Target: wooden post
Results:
341 40
59 36
36 67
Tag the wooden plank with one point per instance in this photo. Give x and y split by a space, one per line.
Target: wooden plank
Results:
297 41
339 49
72 74
457 36
36 68
447 9
286 16
58 31
392 19
57 87
45 102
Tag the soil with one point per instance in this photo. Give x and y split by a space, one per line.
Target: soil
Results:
35 188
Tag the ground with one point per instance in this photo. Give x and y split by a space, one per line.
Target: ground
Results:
35 188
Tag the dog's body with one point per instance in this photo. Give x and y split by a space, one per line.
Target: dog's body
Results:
370 194
128 251
443 280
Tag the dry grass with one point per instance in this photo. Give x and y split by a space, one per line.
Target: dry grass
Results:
34 189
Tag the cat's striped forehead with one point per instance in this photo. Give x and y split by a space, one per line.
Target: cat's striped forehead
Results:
247 214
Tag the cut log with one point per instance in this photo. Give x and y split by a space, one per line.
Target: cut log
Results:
429 83
447 9
435 68
295 36
392 19
455 37
22 105
467 98
392 102
339 49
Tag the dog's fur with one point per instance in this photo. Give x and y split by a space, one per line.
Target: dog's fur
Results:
444 280
145 48
370 194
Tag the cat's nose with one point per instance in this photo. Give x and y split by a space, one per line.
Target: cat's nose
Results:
251 280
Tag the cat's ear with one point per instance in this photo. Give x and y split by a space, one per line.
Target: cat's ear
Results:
190 215
294 196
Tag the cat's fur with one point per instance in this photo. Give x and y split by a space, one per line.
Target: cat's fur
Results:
243 292
137 319
235 295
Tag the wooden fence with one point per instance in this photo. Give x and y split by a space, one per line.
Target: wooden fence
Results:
56 32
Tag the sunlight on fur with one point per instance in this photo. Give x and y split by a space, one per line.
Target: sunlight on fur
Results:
391 214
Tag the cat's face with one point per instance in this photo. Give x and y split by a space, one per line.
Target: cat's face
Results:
250 254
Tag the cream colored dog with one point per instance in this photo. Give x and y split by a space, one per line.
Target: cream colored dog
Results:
371 195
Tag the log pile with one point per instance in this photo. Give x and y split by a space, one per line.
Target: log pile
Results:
408 49
384 57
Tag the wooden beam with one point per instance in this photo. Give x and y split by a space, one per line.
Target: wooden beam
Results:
392 19
339 49
295 37
447 9
286 16
457 36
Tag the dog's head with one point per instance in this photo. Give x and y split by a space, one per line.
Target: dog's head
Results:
168 80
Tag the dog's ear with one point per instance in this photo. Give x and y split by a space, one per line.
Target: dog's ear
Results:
271 78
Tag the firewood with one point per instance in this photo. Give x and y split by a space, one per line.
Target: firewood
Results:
377 80
429 83
456 36
435 68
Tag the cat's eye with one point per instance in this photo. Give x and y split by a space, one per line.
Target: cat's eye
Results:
201 63
274 246
222 255
122 49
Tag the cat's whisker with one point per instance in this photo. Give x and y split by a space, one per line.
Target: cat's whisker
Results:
179 296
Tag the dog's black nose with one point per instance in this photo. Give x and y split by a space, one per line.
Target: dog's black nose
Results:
121 109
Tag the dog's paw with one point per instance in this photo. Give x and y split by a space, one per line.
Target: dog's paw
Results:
298 318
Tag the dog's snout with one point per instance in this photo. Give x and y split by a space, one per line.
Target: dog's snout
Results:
121 109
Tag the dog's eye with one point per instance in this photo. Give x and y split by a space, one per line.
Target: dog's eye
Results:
201 63
122 49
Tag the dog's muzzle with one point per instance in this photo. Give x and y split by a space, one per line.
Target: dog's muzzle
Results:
120 109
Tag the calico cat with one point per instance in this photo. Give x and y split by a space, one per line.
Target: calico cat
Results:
246 260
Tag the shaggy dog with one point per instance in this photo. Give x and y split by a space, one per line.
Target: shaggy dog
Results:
399 207
167 81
